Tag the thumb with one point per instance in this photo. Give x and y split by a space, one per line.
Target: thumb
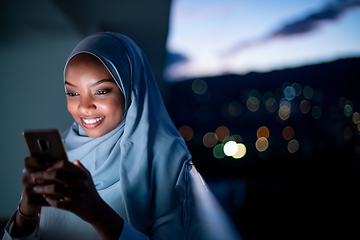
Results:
79 164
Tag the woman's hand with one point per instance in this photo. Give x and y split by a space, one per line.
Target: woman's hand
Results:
31 202
69 186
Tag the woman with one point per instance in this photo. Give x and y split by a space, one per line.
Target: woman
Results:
128 166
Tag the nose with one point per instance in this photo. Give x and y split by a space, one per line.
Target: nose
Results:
86 104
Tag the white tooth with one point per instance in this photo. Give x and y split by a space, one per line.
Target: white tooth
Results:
90 121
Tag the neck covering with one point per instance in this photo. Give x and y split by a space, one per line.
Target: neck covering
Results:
145 152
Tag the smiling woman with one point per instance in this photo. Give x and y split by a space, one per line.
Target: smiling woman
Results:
130 175
93 98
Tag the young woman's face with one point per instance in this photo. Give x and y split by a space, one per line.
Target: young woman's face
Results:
93 97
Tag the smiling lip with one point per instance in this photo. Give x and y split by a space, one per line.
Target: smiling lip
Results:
91 122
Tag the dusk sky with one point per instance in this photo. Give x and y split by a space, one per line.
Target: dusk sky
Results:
209 37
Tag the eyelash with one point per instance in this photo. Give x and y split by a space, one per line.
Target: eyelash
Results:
71 94
100 92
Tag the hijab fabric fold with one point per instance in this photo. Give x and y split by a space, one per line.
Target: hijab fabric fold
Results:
145 152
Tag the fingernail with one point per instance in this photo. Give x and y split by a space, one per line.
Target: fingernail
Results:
37 189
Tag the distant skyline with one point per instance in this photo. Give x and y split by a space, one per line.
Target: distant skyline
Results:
208 38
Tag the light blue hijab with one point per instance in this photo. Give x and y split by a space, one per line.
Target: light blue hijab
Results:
145 152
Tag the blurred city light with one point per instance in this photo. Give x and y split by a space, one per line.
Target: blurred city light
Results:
218 151
230 148
308 92
348 110
271 105
289 93
316 112
297 88
356 117
293 146
284 112
288 133
261 144
209 140
305 106
199 86
236 137
186 132
253 104
263 132
221 133
240 152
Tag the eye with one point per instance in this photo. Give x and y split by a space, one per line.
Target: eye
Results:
101 92
72 94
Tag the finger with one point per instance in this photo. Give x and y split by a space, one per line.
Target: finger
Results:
62 171
70 167
57 191
33 164
59 203
54 175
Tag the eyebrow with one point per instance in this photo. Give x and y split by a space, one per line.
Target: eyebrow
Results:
94 84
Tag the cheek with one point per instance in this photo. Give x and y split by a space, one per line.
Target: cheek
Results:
71 106
113 108
108 107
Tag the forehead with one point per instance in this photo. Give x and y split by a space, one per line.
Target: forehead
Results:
83 59
86 64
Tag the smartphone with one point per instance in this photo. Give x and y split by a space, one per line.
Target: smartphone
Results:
45 143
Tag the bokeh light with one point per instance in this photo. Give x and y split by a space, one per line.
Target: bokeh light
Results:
263 132
186 132
230 148
253 104
285 85
199 86
348 110
316 112
342 102
236 137
268 95
305 106
297 88
240 152
285 102
348 133
221 133
209 140
293 146
308 92
262 144
271 105
289 93
356 117
218 151
284 112
256 94
288 133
